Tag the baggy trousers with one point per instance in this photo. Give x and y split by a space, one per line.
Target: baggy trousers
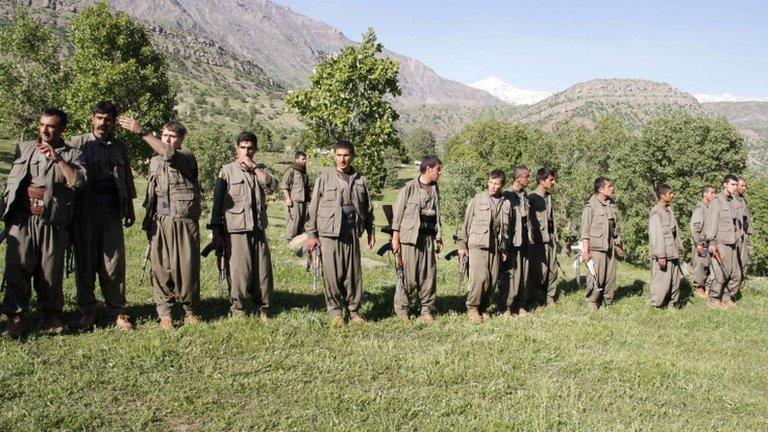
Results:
342 274
483 272
99 248
420 268
665 284
543 272
295 218
605 286
175 256
726 276
34 254
250 270
700 266
513 291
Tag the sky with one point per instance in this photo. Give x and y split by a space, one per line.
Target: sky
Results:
703 46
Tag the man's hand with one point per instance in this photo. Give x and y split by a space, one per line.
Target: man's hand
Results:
130 215
371 240
246 162
395 242
463 253
311 244
662 263
46 150
700 249
619 249
288 202
438 246
503 257
130 124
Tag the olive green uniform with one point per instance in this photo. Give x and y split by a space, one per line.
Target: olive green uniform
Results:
296 182
36 207
339 212
173 211
241 215
664 242
513 289
699 263
484 234
723 229
600 225
543 249
417 218
102 204
747 229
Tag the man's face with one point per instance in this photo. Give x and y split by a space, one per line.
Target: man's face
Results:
708 196
245 148
301 160
432 174
548 183
741 189
523 179
343 158
50 129
607 189
171 138
730 186
103 124
667 198
495 185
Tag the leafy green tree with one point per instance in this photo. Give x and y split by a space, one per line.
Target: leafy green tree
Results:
419 143
214 147
113 59
346 99
31 77
757 199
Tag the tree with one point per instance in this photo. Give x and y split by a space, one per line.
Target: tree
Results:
214 147
113 59
757 200
346 100
419 143
31 76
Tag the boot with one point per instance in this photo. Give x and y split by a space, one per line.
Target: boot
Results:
474 316
123 323
53 324
338 320
86 322
356 318
191 319
427 318
263 317
15 326
166 323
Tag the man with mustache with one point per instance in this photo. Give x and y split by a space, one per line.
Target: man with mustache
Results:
103 207
36 208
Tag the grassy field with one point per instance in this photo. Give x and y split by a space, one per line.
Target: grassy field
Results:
629 367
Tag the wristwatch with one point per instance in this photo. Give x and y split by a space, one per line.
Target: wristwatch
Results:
142 132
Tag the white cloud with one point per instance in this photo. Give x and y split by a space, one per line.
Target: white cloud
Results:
509 93
727 97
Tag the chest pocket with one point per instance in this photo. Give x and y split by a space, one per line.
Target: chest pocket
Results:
479 229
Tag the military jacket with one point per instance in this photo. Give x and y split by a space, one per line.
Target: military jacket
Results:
244 205
325 214
408 209
663 233
296 182
596 224
519 225
722 225
485 223
542 217
59 195
698 220
172 188
107 163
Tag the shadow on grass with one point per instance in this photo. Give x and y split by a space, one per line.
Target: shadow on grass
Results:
631 290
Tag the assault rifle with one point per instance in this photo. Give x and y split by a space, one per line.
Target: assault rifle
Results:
463 264
399 271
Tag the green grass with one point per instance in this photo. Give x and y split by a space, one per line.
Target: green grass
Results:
629 367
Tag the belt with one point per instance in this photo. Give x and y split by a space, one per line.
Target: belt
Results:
35 202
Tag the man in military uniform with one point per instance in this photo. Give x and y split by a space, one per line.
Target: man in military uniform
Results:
722 230
36 208
417 237
601 243
543 248
700 251
295 186
339 212
102 208
239 223
513 291
171 221
746 226
483 239
665 247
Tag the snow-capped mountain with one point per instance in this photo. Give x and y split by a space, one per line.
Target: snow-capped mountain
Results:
727 97
509 93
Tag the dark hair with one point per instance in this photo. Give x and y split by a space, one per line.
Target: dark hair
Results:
105 107
706 188
299 154
661 189
344 144
544 173
518 170
177 127
497 173
247 136
730 177
600 182
55 112
428 161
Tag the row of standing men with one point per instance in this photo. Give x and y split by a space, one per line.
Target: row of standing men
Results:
83 192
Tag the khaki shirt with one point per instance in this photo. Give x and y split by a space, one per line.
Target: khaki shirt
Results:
244 205
31 168
542 217
663 233
485 224
297 184
172 188
745 220
413 202
722 225
108 165
324 216
597 220
520 228
698 220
